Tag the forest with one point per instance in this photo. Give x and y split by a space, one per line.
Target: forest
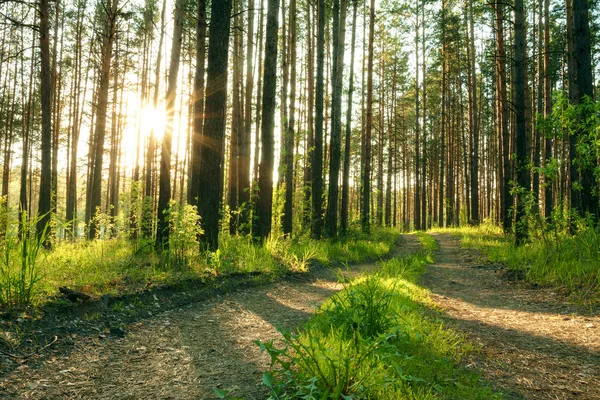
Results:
152 146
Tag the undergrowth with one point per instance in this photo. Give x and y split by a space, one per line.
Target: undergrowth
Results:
122 265
376 339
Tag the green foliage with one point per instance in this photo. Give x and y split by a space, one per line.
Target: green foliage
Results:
374 340
184 225
19 269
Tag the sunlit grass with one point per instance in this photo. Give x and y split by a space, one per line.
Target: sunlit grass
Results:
123 265
376 339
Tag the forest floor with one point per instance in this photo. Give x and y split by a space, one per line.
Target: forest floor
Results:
534 345
185 352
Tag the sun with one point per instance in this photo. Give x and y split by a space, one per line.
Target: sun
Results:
153 121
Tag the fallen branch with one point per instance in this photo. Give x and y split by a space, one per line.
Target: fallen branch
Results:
74 295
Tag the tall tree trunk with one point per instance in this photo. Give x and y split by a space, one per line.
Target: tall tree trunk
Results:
583 185
264 204
211 154
506 197
244 154
521 128
417 199
366 178
109 34
317 154
474 119
444 117
236 122
23 202
46 105
147 217
310 137
193 189
346 177
337 73
547 109
288 152
164 183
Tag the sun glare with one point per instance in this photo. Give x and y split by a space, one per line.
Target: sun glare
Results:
153 120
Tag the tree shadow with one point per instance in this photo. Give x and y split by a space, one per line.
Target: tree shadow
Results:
513 356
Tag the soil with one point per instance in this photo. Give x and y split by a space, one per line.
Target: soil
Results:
181 343
534 344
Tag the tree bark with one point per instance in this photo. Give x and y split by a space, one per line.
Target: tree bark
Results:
521 231
193 189
108 37
366 178
46 104
317 154
347 140
288 153
211 154
264 204
164 183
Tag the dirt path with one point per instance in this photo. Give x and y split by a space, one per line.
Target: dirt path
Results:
534 345
186 352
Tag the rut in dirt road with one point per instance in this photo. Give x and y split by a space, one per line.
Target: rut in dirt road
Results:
534 344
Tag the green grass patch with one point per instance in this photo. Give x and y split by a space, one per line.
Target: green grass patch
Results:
427 241
121 265
355 246
376 339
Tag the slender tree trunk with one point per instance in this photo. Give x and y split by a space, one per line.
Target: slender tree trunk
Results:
444 117
547 109
474 117
366 178
417 199
164 183
23 202
339 31
147 217
310 118
109 34
193 189
346 178
506 198
521 128
317 155
244 154
236 122
264 204
46 105
289 136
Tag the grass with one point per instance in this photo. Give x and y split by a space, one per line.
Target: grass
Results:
570 262
376 339
118 266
